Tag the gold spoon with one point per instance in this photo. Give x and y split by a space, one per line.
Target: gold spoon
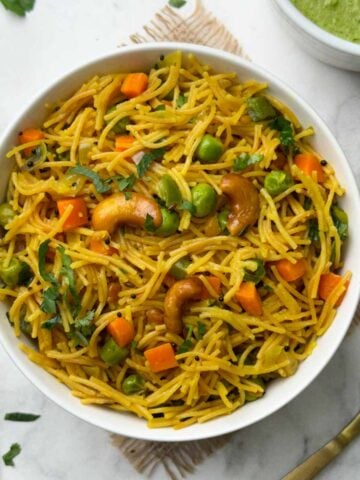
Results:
320 459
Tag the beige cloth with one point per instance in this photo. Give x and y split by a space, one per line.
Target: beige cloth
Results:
181 458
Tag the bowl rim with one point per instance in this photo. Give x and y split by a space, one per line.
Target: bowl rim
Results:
315 31
188 434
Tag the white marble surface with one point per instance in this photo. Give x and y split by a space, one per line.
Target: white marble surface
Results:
55 37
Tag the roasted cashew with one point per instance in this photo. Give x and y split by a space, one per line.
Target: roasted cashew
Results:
175 299
155 315
244 202
117 210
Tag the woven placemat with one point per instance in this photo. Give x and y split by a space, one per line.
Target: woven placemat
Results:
179 459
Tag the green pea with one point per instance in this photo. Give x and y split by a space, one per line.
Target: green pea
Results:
168 191
112 353
249 396
210 149
120 126
222 218
6 214
133 384
204 199
10 274
170 223
178 270
277 182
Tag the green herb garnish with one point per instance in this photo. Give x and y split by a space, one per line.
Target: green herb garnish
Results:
85 324
124 182
186 205
43 249
244 160
201 330
188 343
100 185
313 232
148 159
19 7
177 3
149 223
21 417
341 221
285 129
9 456
50 296
52 322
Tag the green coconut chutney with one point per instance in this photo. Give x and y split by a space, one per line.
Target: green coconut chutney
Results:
339 17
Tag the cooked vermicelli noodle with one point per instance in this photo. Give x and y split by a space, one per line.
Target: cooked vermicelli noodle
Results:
134 190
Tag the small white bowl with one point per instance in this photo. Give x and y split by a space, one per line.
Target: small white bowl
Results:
280 391
318 42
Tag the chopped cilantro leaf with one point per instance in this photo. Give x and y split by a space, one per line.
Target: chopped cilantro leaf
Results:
124 182
285 129
85 324
177 3
19 7
149 223
148 159
9 456
100 184
21 417
52 322
201 330
186 205
50 297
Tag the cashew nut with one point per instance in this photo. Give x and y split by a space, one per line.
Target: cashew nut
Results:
175 299
117 210
155 315
244 202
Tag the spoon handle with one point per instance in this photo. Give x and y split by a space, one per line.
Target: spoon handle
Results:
322 457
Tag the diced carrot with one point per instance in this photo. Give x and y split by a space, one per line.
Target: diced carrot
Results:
328 282
291 271
30 135
114 289
308 163
161 358
122 331
215 283
249 299
134 84
123 142
78 215
98 245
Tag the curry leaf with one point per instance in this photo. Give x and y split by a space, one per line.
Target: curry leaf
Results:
43 249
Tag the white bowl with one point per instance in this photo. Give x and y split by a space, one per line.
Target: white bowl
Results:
279 392
318 42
